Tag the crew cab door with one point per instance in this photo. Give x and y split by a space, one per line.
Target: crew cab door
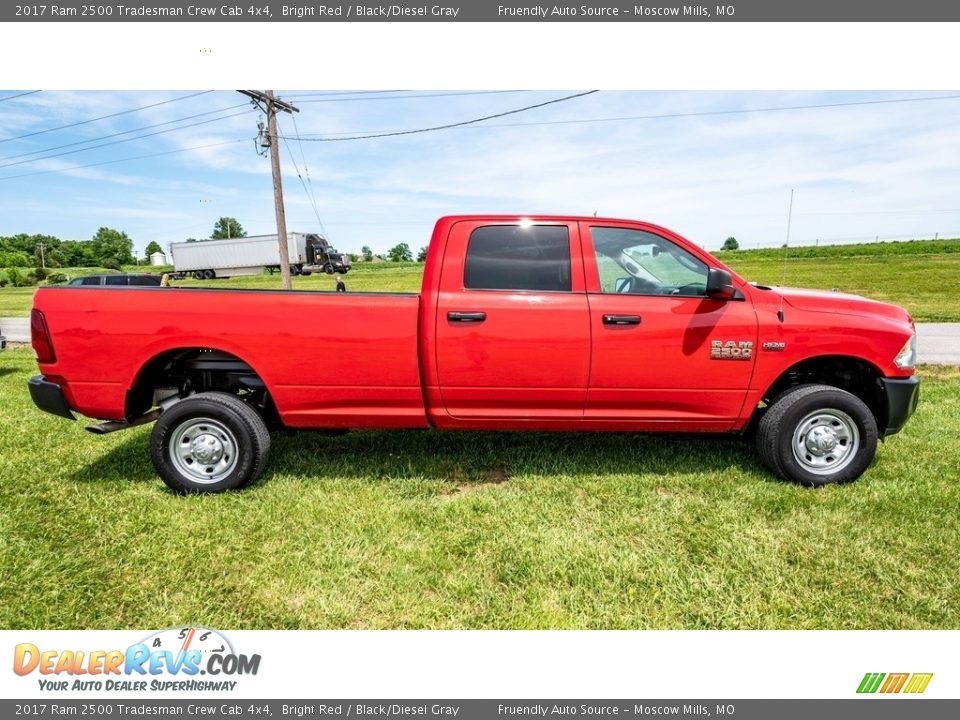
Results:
512 322
663 352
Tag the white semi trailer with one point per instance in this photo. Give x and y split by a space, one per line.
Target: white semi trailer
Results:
206 259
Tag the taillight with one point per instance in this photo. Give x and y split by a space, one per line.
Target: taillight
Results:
40 337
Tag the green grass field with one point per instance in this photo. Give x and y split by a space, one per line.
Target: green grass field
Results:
922 276
476 530
927 285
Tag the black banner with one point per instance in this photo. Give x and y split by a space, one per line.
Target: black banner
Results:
853 709
487 11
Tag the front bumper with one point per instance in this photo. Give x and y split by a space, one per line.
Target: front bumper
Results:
900 397
49 397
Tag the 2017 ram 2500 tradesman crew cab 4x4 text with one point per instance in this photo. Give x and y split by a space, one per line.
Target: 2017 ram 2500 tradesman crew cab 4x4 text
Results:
539 323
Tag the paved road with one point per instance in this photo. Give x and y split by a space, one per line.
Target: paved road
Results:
939 342
16 329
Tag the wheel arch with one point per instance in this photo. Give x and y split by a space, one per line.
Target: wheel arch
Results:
187 369
854 374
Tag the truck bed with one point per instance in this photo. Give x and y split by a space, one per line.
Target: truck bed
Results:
309 347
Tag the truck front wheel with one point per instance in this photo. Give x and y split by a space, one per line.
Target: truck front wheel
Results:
209 443
816 435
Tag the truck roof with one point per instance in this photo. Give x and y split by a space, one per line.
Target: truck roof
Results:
539 216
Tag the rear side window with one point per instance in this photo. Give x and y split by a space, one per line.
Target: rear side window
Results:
144 280
116 280
514 257
90 281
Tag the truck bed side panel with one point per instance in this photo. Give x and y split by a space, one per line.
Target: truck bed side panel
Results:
328 359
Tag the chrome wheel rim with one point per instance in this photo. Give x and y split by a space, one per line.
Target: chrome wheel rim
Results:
826 441
203 450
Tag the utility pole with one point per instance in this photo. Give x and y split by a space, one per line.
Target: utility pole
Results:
43 263
270 104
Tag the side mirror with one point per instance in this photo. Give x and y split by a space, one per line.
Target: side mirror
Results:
622 285
720 285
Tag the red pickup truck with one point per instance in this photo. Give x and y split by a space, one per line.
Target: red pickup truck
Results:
522 323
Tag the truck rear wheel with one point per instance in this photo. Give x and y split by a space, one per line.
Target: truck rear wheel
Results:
817 435
209 443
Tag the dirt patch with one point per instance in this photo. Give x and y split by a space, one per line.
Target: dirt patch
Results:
460 483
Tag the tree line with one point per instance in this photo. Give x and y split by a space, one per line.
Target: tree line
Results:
108 248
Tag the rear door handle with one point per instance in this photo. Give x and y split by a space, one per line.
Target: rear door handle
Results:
621 319
466 317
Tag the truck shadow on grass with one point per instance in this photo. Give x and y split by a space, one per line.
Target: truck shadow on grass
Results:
464 459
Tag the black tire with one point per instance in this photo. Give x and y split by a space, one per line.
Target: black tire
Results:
789 444
226 423
328 269
209 274
295 270
198 274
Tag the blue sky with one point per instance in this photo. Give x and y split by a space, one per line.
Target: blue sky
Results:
889 169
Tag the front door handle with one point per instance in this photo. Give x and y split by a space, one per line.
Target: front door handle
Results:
621 319
466 317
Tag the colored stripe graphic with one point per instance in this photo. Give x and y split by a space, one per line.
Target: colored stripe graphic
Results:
918 683
870 682
894 682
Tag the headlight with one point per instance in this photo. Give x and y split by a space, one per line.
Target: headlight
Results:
907 357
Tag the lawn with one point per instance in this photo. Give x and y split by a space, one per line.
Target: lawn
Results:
926 283
476 530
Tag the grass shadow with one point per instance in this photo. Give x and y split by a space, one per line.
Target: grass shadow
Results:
463 458
129 461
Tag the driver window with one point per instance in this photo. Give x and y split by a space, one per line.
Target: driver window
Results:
635 262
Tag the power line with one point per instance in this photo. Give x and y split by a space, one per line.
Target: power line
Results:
784 108
357 92
121 160
309 195
124 132
23 94
125 140
408 97
306 169
665 116
456 124
105 117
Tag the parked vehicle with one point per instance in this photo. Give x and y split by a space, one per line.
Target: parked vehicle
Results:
544 323
117 279
3 340
208 259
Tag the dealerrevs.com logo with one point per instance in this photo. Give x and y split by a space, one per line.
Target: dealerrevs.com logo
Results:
172 659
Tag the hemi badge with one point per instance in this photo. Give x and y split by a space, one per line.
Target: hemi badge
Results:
774 346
